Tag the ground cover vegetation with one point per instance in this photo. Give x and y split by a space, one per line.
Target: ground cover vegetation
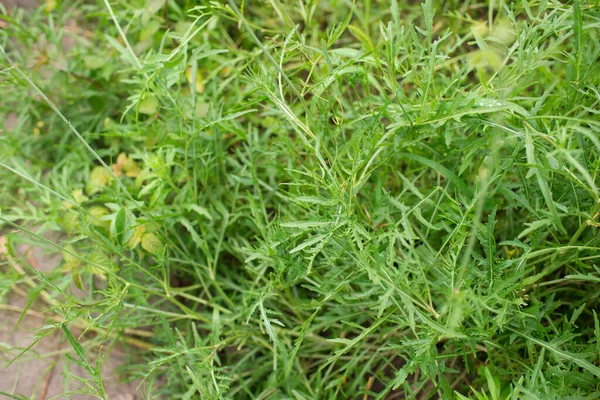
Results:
310 199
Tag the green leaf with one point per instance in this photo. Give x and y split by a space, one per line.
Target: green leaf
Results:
401 376
266 322
76 276
441 169
308 243
196 381
198 210
195 236
121 227
343 341
542 181
306 224
578 33
117 226
79 351
493 384
534 226
565 355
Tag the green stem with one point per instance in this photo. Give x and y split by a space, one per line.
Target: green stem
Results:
585 224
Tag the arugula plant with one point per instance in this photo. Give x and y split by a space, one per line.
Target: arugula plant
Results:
311 199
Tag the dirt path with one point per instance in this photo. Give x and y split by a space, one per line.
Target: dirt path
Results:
41 372
19 3
44 371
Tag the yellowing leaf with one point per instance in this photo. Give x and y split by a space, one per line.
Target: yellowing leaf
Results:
118 166
99 177
127 165
131 168
96 213
480 29
361 35
226 71
482 59
70 222
70 258
136 238
511 253
134 241
100 264
50 5
108 123
78 196
122 159
154 5
148 105
199 85
151 243
504 32
201 109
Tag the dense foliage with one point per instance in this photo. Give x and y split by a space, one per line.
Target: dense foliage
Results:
311 199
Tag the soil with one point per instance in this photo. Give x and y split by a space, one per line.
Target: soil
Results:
43 371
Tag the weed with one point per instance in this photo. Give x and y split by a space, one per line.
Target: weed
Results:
309 199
